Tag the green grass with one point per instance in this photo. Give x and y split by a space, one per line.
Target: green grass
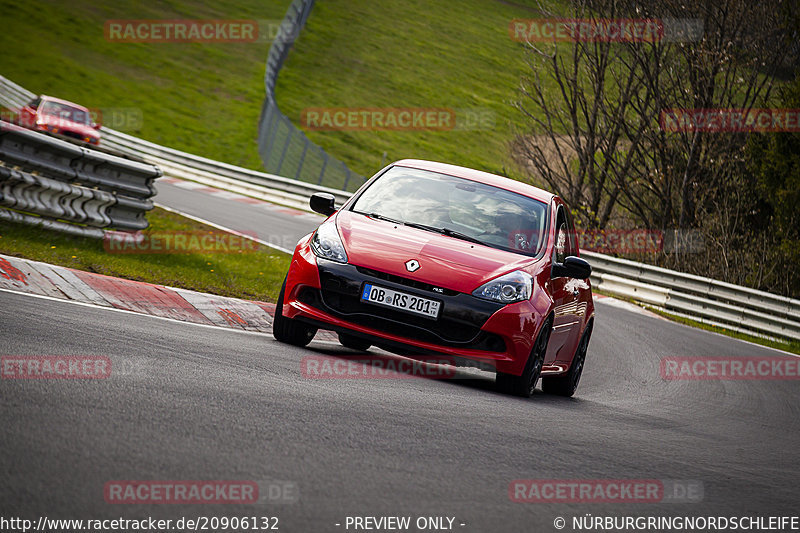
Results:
203 98
415 53
253 275
206 98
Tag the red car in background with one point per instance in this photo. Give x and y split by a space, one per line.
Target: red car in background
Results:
60 117
428 259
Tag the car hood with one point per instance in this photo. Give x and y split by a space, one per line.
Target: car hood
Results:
64 124
444 261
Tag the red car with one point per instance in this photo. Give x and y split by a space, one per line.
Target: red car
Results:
429 259
61 117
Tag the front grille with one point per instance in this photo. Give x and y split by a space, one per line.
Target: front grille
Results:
459 323
413 283
72 134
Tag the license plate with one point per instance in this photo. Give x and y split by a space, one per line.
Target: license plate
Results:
400 300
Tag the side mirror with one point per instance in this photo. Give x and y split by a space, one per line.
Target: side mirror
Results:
323 203
96 126
572 267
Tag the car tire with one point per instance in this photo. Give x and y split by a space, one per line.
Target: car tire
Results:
354 343
287 330
566 384
525 384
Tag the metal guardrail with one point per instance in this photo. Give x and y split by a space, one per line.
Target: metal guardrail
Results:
723 304
65 183
703 299
284 148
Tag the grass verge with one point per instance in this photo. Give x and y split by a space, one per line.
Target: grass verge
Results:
250 274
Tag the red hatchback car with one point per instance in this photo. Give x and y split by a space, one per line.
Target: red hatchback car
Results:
428 259
60 117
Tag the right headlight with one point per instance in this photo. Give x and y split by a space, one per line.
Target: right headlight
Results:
327 244
513 287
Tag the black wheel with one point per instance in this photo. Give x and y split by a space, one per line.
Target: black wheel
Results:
354 343
567 384
287 330
525 384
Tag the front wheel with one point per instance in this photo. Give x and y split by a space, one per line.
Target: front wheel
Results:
525 384
287 330
567 384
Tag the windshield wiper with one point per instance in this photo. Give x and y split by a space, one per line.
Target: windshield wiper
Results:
446 231
378 216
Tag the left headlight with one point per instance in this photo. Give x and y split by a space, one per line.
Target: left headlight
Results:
327 244
513 287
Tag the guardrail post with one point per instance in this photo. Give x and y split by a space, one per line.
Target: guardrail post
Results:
324 164
346 176
285 147
302 159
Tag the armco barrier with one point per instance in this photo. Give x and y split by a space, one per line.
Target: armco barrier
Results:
703 299
60 181
733 307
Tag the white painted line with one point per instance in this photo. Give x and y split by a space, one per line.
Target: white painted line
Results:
223 228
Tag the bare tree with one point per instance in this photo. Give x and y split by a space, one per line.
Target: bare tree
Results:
595 108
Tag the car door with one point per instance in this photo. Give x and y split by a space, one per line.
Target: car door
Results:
565 293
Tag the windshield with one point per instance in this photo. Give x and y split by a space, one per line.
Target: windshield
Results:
65 112
457 207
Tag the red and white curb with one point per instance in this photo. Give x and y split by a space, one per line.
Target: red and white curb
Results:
33 277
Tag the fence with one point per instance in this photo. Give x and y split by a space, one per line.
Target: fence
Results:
53 183
285 150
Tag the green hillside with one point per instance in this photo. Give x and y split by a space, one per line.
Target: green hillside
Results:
201 97
206 98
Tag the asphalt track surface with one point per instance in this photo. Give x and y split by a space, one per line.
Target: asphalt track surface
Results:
199 403
268 224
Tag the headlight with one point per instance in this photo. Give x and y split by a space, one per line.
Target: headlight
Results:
513 287
327 244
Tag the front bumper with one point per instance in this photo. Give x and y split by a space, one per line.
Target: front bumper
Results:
491 335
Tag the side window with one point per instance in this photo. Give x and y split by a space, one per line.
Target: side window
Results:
572 237
561 249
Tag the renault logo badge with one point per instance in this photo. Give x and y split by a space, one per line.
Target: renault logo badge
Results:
412 265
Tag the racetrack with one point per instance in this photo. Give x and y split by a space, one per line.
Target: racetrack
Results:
188 402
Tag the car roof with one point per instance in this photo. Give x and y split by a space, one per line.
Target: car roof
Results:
479 176
66 102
